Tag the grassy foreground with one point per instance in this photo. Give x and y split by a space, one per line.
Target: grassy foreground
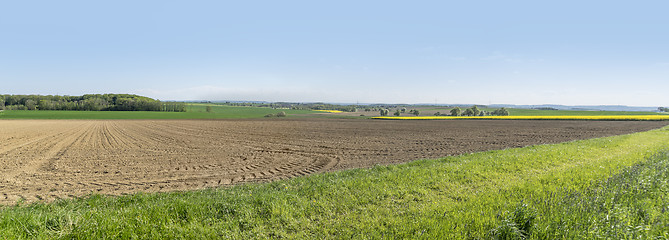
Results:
614 187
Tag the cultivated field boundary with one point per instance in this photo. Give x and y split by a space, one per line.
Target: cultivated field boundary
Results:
465 196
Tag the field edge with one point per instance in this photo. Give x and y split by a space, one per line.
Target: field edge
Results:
455 196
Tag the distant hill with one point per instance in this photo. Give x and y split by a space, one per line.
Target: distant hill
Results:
581 107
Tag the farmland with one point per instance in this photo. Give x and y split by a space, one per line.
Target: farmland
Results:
52 159
193 111
481 195
229 171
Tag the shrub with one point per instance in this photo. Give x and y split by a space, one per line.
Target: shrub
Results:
281 114
456 111
269 115
475 111
501 112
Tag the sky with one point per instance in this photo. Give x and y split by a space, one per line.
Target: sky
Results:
444 52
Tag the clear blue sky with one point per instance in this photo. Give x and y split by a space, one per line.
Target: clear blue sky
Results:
480 52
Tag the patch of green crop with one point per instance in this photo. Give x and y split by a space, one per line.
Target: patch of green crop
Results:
467 196
193 111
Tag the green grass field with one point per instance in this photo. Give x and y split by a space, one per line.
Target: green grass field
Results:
194 111
608 188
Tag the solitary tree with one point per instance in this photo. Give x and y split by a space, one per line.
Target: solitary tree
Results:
404 110
208 109
456 111
475 111
384 112
416 112
501 112
397 113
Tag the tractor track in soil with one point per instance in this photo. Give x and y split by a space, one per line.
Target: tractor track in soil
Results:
44 160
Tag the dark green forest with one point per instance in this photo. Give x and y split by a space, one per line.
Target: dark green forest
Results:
88 102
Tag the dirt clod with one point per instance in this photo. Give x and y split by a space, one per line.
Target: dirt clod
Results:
43 160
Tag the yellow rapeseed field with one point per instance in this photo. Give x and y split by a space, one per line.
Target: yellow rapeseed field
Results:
329 111
612 117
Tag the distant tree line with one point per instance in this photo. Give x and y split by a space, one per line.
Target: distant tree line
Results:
88 102
456 111
324 106
382 109
298 106
475 111
546 108
663 109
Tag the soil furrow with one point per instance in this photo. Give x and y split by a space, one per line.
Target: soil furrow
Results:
44 160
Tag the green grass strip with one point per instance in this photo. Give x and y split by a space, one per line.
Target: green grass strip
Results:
451 198
632 204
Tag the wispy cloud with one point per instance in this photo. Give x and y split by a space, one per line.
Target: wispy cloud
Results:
661 64
501 57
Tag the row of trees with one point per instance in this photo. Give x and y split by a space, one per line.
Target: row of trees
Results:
456 111
398 112
475 111
88 102
173 107
297 106
663 109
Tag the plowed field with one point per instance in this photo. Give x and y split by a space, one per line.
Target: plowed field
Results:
51 159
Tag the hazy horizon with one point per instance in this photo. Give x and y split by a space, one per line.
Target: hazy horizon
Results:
519 52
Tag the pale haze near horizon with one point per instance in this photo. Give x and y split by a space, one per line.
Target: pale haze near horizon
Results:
499 52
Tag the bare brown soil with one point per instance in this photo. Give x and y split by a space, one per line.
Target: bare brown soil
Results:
51 159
